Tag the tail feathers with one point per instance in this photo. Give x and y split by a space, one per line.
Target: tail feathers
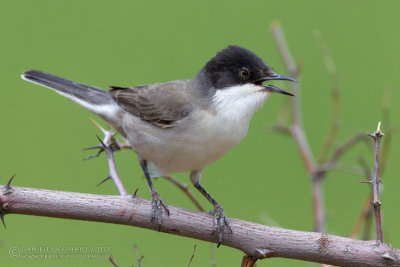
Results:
89 97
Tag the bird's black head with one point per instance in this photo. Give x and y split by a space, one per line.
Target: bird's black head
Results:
236 65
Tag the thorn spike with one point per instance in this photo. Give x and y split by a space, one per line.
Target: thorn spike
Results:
8 185
2 219
98 126
102 181
92 147
101 141
134 195
366 182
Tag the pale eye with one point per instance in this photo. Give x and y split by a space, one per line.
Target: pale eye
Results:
244 73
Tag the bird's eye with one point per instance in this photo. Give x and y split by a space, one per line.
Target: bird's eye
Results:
244 73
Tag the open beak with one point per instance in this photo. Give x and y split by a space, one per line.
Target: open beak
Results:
274 89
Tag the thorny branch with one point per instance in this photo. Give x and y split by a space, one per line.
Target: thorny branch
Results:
316 171
109 145
269 241
111 259
375 184
365 215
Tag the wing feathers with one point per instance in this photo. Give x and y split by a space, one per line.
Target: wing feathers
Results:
159 104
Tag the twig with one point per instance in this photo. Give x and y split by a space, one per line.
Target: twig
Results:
297 127
109 145
330 66
389 131
139 259
186 190
348 168
191 258
375 184
341 149
255 240
333 163
110 258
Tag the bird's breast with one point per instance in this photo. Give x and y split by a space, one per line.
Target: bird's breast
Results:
204 136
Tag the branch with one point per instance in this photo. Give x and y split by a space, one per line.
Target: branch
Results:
375 183
255 240
139 259
109 145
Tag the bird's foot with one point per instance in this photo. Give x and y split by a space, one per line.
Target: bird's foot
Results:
157 204
221 222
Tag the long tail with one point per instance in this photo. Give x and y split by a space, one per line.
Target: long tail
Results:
89 97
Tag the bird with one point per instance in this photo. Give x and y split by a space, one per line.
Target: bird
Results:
181 125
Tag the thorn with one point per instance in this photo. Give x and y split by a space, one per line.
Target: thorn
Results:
387 256
134 195
378 130
8 185
376 203
102 181
95 155
366 182
101 141
98 125
263 252
2 219
93 147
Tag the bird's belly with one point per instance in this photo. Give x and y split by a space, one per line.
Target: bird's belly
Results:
193 147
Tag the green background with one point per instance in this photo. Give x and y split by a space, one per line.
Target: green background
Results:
132 43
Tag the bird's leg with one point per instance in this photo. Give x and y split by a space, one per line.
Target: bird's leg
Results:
220 222
157 204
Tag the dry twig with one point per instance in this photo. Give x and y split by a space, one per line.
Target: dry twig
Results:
375 184
191 258
139 259
109 145
111 259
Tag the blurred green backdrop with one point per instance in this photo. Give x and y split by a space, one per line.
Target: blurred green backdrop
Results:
131 43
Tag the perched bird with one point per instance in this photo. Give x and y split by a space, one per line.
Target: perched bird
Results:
182 125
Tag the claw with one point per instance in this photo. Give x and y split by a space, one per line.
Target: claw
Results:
221 222
156 206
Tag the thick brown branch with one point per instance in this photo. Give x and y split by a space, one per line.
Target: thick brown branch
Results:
253 239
